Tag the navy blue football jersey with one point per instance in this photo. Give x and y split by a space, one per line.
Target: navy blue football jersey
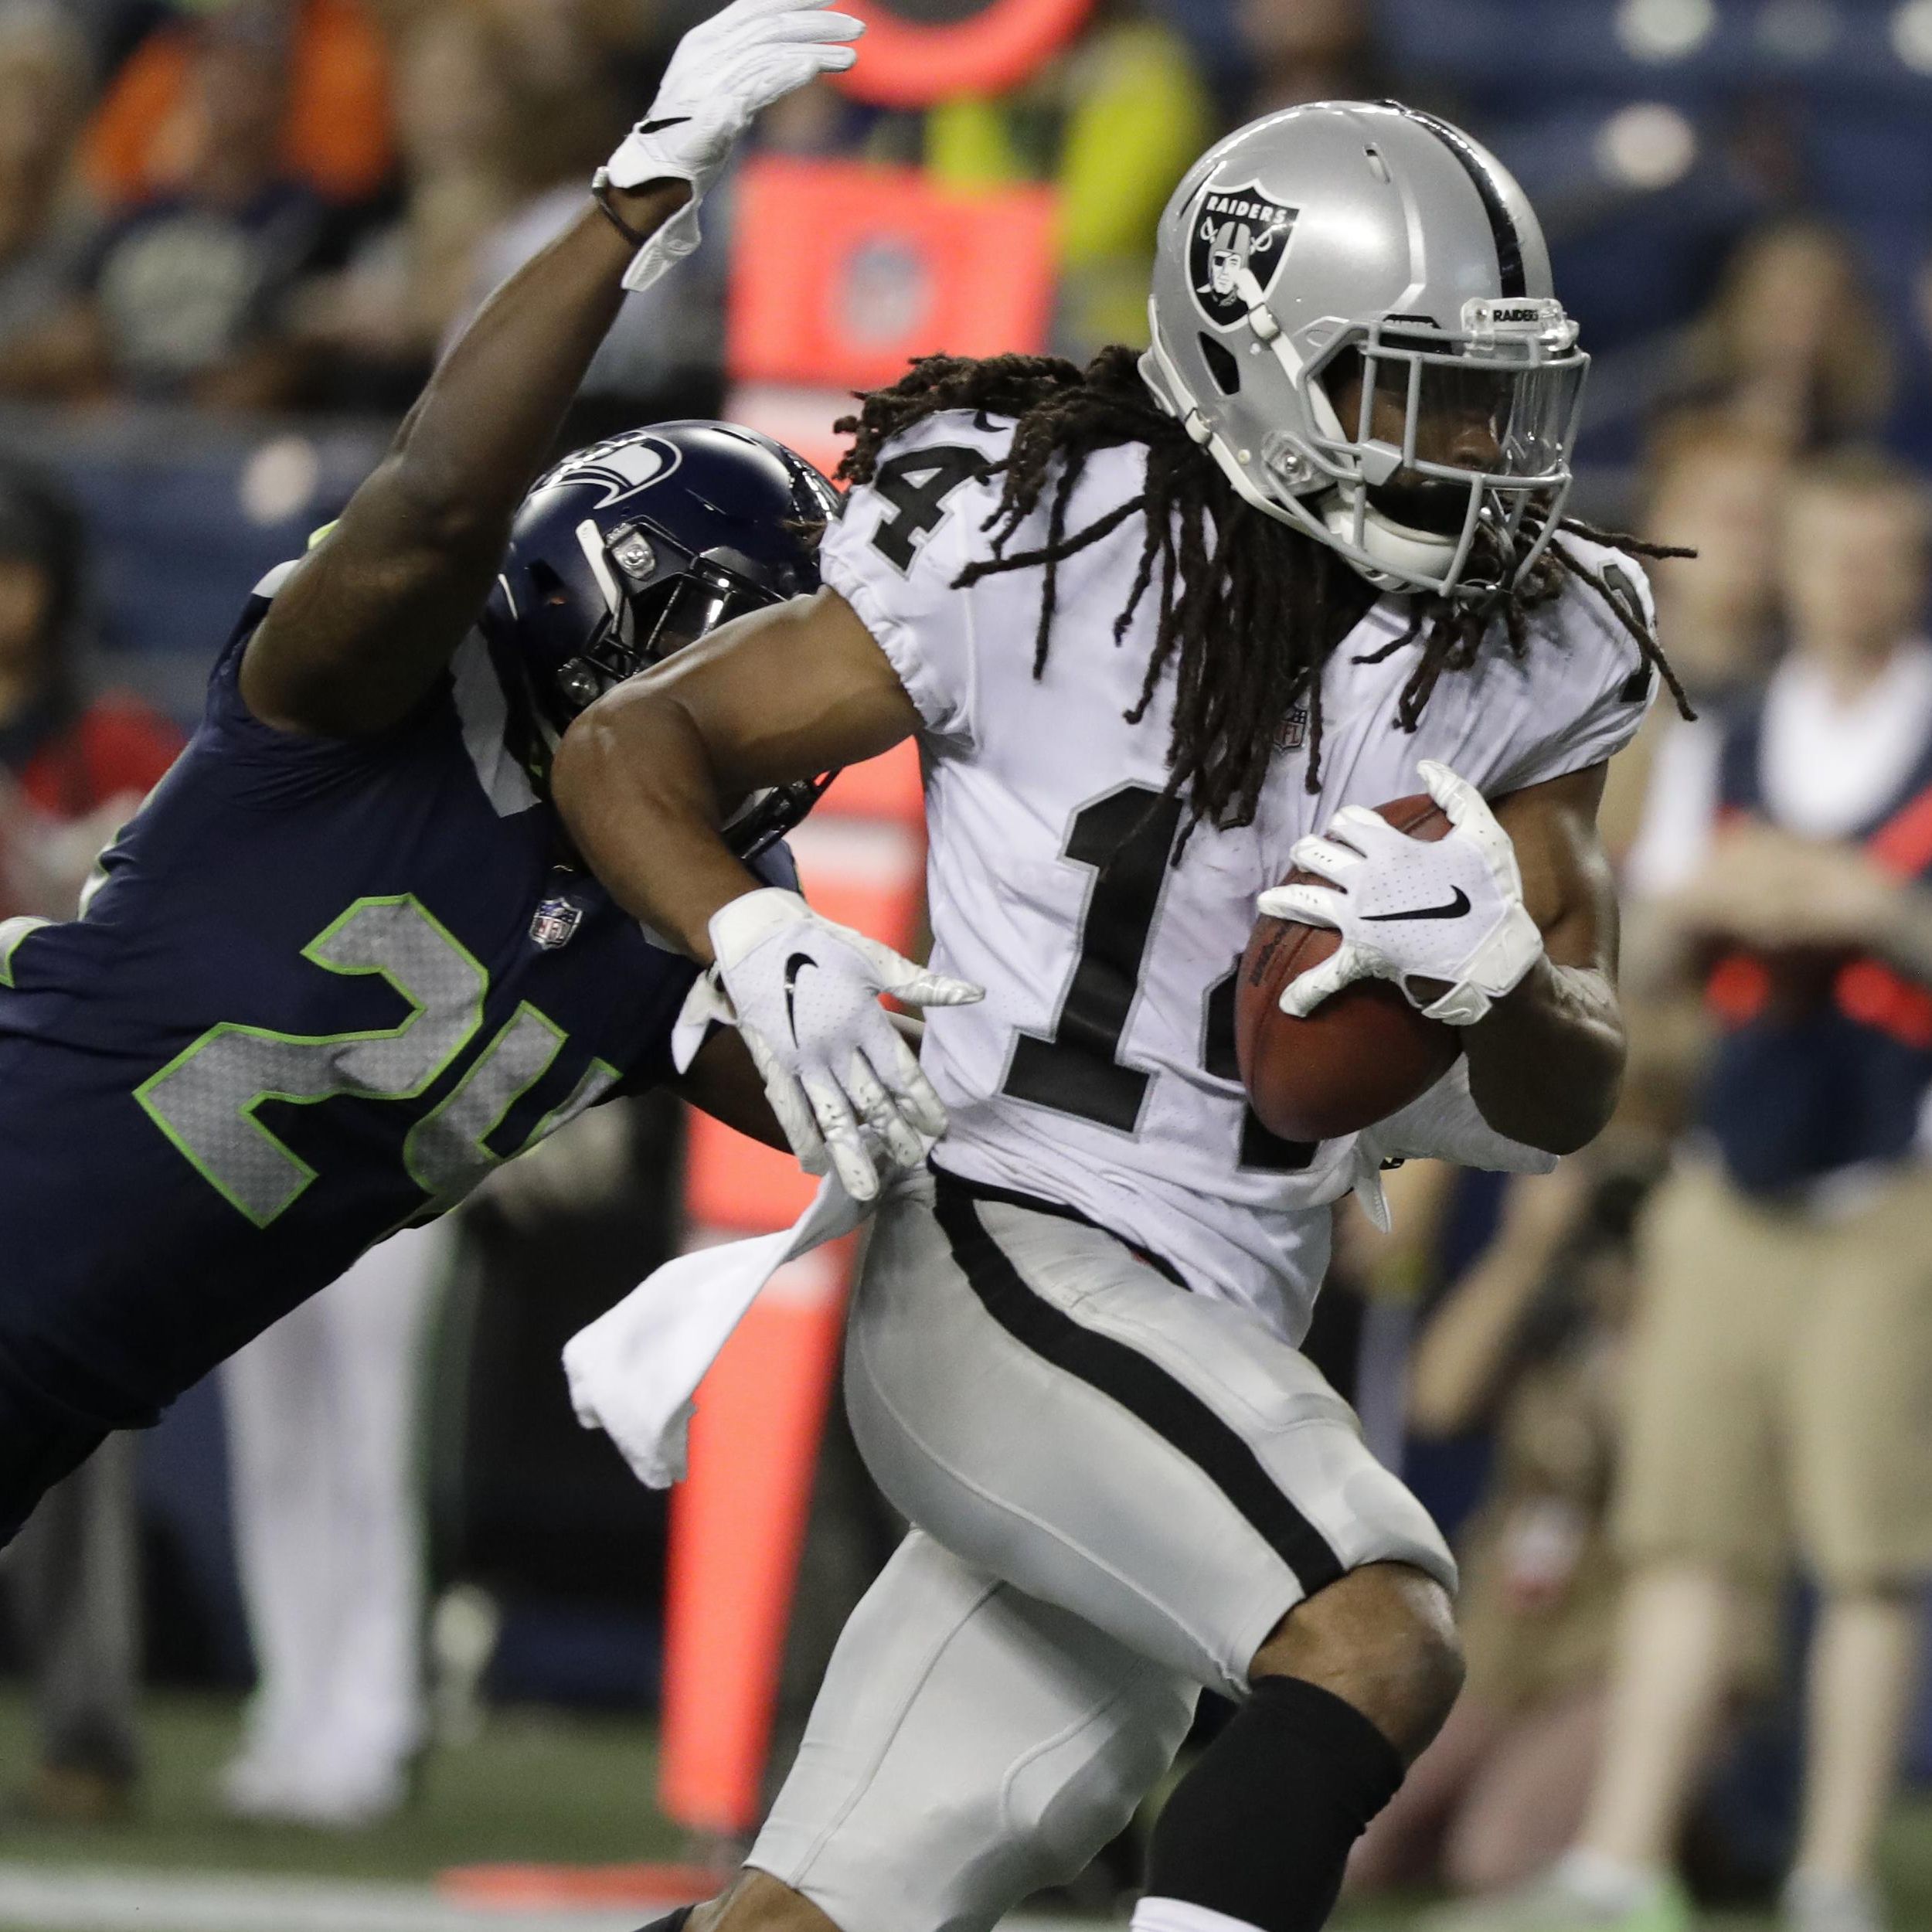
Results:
322 987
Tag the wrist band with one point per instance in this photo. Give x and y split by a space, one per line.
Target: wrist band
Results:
600 194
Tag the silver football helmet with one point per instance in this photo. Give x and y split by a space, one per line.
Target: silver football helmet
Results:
1352 311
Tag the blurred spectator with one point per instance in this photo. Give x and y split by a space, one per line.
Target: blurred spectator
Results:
71 770
561 112
115 28
1781 1368
379 321
1716 486
73 767
1114 123
1302 50
1529 1342
189 289
1795 345
329 105
74 1574
325 1466
45 78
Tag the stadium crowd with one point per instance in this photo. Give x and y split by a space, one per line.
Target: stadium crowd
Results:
249 209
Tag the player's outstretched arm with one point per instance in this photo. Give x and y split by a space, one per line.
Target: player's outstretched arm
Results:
363 628
1506 927
644 779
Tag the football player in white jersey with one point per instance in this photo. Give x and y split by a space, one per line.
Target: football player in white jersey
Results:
1162 629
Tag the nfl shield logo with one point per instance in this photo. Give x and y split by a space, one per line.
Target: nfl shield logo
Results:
1234 228
555 923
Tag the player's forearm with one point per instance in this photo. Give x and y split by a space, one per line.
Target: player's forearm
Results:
1545 1064
634 784
723 1083
474 443
371 616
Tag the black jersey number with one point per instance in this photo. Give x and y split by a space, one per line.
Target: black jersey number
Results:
1126 837
917 486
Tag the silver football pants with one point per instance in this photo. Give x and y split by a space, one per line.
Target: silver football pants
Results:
1120 1489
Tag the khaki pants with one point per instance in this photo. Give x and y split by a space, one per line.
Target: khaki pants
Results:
1780 1389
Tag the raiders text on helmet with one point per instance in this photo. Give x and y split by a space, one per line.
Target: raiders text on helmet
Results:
1342 240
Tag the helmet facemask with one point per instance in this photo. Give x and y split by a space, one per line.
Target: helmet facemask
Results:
658 598
1450 453
1432 459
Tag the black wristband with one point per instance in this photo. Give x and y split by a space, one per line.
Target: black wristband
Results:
600 194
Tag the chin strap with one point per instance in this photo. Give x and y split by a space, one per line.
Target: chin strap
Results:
1408 553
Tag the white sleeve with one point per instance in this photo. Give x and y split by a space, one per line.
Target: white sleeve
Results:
896 555
1444 1124
1595 686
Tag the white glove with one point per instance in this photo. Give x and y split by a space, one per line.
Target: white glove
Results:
1408 909
722 73
804 994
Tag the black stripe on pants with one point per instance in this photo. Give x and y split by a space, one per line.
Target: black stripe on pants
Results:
1140 1384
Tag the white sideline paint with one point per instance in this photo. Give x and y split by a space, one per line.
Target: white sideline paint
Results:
62 1898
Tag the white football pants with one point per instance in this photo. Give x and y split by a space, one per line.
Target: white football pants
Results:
323 1454
1118 1489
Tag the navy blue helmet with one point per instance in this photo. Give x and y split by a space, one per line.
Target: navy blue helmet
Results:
633 547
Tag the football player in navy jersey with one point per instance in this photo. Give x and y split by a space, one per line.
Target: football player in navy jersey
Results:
346 960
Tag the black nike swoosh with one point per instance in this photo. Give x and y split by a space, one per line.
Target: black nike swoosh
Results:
794 967
1454 910
658 126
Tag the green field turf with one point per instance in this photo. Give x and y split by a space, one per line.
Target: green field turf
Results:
536 1785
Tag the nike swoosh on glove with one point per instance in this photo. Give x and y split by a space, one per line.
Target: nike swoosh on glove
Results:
804 992
1409 909
723 72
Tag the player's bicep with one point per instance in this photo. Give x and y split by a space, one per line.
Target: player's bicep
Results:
1568 885
370 618
780 695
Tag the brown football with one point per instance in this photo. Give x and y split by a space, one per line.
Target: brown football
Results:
1363 1053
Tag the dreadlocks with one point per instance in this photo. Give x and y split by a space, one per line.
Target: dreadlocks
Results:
1248 606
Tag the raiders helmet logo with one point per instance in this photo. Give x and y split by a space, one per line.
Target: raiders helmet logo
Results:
1234 228
623 466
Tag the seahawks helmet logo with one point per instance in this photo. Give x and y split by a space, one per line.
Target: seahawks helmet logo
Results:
624 465
1234 228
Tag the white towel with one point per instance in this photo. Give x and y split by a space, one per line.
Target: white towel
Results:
634 1371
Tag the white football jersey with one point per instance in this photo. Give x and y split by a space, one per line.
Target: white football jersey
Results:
1099 1072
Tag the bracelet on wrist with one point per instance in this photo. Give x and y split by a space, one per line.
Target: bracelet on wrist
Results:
601 192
